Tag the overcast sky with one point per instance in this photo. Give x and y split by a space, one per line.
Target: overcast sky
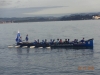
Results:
25 8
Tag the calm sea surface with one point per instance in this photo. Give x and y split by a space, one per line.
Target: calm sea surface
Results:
25 61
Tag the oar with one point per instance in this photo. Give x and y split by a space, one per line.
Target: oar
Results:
48 47
24 46
40 47
17 46
10 46
32 46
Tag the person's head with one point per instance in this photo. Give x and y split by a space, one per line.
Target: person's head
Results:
27 35
45 39
53 39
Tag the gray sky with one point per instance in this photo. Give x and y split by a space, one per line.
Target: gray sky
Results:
25 8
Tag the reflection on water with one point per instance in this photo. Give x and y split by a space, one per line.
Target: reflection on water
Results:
19 51
68 53
54 60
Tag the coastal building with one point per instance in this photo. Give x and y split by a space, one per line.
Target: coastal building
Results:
2 22
96 17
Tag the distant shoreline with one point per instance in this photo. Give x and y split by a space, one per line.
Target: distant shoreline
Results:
47 21
74 17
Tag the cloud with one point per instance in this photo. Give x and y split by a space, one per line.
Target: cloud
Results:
20 12
4 3
41 7
52 10
46 3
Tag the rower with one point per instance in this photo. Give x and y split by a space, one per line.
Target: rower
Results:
35 42
38 41
68 40
42 41
45 40
65 41
82 40
60 41
53 41
75 40
20 39
57 40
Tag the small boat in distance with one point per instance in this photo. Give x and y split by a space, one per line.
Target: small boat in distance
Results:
58 44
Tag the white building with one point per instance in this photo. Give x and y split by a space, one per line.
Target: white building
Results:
96 17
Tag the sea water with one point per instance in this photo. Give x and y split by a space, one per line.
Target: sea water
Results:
43 61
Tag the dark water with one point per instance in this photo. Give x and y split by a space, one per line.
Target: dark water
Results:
25 61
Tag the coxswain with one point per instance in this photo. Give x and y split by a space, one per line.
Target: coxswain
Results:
26 38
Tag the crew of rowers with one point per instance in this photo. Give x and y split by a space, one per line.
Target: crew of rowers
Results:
53 40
